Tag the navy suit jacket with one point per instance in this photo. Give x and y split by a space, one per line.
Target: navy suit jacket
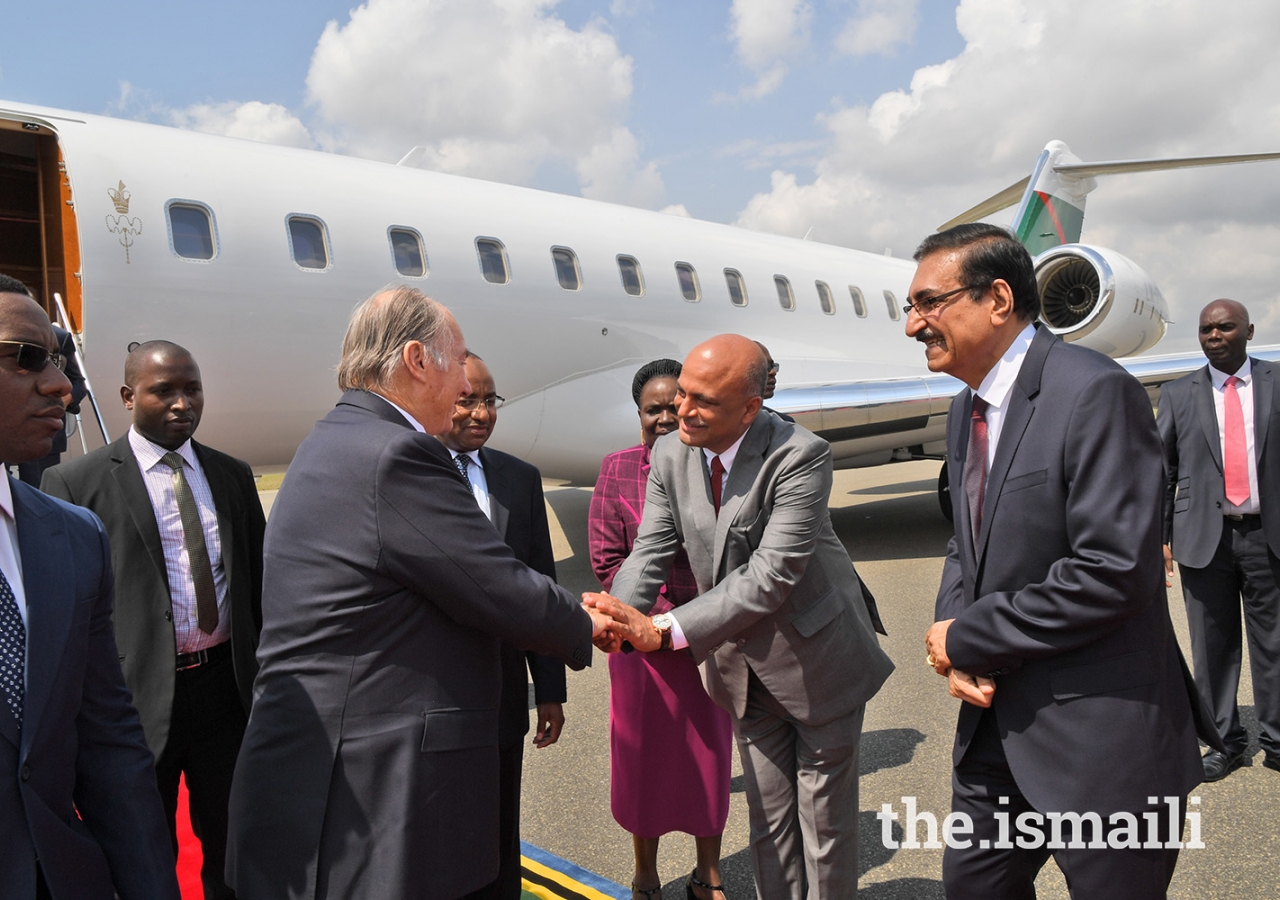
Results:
520 515
80 748
1194 489
1063 597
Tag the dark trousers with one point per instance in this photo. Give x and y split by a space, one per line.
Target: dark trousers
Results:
982 781
205 730
507 885
1243 570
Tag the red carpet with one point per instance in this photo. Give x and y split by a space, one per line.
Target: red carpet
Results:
188 851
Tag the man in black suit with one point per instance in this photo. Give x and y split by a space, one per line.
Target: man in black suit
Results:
186 532
1221 435
79 813
509 492
1052 623
370 766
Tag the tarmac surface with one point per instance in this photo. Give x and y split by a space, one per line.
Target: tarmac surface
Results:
889 520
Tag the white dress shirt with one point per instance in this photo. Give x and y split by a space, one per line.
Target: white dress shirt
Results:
479 484
998 385
1250 507
158 478
10 557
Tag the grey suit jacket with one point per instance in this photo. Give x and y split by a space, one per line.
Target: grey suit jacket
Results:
369 768
777 592
1194 489
109 483
77 789
1063 598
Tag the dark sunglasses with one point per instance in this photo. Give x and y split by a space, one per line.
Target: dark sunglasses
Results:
33 357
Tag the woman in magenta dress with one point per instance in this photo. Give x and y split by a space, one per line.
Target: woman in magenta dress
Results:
669 743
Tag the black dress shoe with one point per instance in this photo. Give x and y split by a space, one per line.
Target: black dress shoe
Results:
1272 761
1218 766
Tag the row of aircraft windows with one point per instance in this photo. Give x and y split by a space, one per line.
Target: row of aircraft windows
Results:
194 236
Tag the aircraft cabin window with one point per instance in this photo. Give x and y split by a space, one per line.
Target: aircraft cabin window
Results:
632 277
567 271
308 242
493 261
859 304
688 282
737 287
825 299
191 231
786 296
407 252
895 312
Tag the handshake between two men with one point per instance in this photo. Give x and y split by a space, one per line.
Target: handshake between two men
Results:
614 623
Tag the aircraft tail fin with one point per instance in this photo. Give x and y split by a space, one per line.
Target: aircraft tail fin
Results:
1051 200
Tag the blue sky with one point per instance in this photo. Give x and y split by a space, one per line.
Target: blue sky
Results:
864 123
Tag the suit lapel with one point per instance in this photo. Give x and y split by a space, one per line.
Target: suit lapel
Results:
1202 398
50 589
128 478
746 466
220 486
495 476
1263 386
1022 405
701 512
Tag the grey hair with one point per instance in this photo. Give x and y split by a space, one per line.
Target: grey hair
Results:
379 329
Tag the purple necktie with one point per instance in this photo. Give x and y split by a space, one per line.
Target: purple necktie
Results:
975 465
717 481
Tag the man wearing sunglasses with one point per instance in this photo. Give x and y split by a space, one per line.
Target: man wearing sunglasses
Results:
509 492
1052 622
79 812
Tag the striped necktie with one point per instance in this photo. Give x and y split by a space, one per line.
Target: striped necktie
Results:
197 552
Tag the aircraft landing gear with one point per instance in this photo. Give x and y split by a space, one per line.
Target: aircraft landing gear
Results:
944 492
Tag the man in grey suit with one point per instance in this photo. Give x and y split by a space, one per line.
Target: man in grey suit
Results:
1052 620
369 768
781 622
1222 524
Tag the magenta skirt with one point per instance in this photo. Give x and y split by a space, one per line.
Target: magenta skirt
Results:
670 745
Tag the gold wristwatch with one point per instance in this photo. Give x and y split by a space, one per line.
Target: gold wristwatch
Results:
662 622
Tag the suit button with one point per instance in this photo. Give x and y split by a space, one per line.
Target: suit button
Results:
741 642
26 773
168 615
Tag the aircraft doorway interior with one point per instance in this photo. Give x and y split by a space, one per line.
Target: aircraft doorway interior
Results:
38 240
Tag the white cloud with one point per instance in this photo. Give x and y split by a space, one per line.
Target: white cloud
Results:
767 33
253 121
879 26
1113 82
676 209
490 88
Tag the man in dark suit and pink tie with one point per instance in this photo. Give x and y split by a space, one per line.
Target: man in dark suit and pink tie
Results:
1222 525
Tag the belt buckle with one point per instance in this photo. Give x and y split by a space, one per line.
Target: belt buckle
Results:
197 659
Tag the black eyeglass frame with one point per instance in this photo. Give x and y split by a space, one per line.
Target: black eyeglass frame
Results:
923 308
33 358
470 404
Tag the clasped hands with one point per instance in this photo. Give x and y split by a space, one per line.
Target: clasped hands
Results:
613 622
975 689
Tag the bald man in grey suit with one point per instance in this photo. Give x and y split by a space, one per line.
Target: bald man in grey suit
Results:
781 625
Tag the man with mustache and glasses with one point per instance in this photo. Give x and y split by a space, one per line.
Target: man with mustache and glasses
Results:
79 812
1052 622
186 532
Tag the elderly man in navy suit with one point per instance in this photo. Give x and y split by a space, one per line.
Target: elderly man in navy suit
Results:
80 817
1222 525
1052 620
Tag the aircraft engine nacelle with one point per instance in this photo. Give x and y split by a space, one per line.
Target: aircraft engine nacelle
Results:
1100 299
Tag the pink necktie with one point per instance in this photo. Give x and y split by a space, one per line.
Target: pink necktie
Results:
1235 461
975 465
717 479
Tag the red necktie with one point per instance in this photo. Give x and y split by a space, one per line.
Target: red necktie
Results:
717 481
1235 460
975 464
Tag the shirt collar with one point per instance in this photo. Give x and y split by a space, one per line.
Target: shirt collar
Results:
1244 373
1000 380
728 456
412 421
6 496
148 453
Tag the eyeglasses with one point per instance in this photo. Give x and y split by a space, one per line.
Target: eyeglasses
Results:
773 367
471 404
33 357
924 306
